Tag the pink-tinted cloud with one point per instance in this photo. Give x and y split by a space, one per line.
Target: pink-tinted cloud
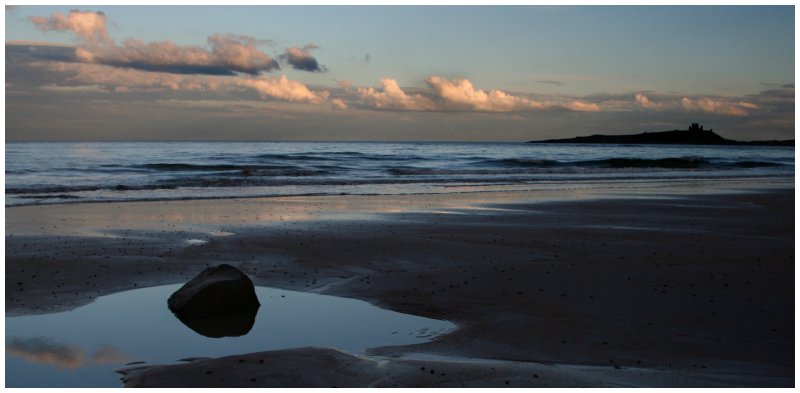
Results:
112 78
97 77
44 351
74 89
88 26
240 53
460 94
228 54
721 107
645 102
108 355
338 103
717 105
284 89
344 84
579 106
393 97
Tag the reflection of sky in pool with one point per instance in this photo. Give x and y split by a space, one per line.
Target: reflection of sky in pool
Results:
82 347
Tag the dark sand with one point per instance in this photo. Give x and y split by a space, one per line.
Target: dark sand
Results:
599 289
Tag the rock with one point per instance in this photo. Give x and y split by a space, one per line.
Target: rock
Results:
220 301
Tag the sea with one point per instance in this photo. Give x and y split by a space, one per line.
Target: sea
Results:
79 172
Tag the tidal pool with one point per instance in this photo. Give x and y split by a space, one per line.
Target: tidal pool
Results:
83 347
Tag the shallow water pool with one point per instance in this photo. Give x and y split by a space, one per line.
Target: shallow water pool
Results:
83 347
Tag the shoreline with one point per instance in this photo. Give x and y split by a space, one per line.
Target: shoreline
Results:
543 186
25 219
528 278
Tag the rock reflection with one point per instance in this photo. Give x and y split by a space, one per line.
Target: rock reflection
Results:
231 325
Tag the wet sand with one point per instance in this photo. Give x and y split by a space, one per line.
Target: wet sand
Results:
659 288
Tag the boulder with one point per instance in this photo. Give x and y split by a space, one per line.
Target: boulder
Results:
215 292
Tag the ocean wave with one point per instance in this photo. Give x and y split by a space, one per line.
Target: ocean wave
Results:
50 196
48 189
39 191
756 164
671 162
293 172
679 163
620 162
44 173
454 184
335 156
293 157
450 172
515 166
522 162
688 162
180 167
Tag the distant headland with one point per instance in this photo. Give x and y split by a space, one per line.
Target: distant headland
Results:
695 135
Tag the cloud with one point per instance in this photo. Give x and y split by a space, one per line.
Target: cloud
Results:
776 100
228 55
460 94
99 78
74 89
87 25
645 102
338 103
579 106
710 105
107 354
301 59
551 82
44 351
722 107
345 84
30 43
111 78
393 97
788 86
240 53
284 89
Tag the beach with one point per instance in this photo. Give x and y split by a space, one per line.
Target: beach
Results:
318 197
681 286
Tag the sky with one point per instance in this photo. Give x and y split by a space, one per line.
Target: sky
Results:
444 73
